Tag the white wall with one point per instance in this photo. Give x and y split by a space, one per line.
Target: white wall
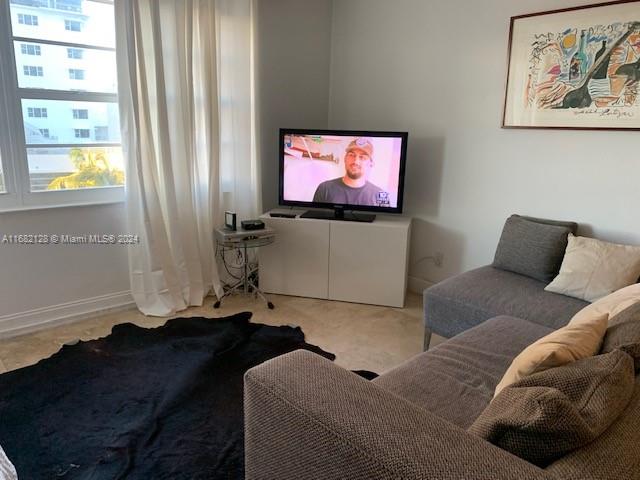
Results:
293 41
437 69
40 276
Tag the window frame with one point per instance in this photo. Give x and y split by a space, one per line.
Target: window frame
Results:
24 49
75 53
31 22
41 110
76 74
27 70
82 132
13 145
80 113
69 24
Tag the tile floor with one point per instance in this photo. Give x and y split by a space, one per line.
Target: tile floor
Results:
362 336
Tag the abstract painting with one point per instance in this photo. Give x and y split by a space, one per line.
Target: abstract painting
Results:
575 68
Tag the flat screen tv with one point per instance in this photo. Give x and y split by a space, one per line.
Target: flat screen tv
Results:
346 171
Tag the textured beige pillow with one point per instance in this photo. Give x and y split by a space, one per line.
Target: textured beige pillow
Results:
592 268
573 342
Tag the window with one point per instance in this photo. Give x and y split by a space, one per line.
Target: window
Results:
37 112
82 132
80 113
76 74
72 25
68 5
102 133
25 19
27 49
74 53
70 151
32 3
32 71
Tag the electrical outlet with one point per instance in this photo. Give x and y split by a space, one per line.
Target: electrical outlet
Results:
438 259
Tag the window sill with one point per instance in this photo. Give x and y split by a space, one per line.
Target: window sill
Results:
23 207
26 208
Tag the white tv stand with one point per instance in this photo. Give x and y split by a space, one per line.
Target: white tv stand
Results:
337 260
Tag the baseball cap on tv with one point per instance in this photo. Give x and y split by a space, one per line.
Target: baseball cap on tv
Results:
361 143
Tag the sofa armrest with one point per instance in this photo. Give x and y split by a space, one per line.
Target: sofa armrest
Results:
307 418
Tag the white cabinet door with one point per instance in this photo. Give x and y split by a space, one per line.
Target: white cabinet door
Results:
368 261
297 263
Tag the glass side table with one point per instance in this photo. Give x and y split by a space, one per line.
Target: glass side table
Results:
243 241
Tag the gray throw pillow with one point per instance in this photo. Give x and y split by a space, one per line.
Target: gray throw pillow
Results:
548 414
532 248
623 329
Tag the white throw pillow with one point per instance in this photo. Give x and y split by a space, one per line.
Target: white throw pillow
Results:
612 304
592 269
580 338
7 470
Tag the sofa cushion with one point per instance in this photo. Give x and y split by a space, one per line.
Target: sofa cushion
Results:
456 379
463 301
624 328
592 269
543 416
531 248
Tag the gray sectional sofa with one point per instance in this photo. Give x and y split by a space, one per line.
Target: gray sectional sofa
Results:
307 418
468 299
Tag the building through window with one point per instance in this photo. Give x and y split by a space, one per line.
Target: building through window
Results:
62 92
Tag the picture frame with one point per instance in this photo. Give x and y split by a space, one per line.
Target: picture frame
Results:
575 68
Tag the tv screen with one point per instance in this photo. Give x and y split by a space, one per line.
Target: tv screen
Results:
354 170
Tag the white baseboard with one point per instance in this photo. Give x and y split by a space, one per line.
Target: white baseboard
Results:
25 322
417 284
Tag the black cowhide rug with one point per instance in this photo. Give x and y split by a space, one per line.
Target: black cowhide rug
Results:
161 403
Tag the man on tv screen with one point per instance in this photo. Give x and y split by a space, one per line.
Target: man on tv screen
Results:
354 188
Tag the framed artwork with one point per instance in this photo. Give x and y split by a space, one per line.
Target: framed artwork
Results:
575 68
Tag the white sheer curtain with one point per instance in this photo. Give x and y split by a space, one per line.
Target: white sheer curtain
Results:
186 112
